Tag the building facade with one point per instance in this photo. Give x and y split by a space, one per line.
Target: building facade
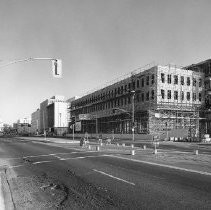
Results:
23 126
53 115
205 67
149 101
35 122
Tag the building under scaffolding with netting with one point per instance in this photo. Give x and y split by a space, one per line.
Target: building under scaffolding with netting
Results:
158 100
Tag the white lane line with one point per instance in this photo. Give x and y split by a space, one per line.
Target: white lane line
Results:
45 161
162 165
53 154
114 177
81 157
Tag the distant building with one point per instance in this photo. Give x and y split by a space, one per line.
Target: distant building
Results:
26 120
23 126
1 125
35 122
53 115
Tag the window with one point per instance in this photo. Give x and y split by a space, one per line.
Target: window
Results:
152 79
147 96
129 101
137 83
175 79
188 81
129 86
125 88
169 78
142 82
182 95
163 94
194 81
200 97
134 85
200 82
147 82
188 96
118 90
175 95
182 80
169 94
162 77
142 97
152 94
115 91
137 97
194 96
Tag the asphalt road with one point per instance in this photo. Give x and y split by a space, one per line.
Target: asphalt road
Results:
50 176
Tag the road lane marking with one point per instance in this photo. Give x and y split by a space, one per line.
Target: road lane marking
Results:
53 154
81 157
45 161
114 177
17 166
163 165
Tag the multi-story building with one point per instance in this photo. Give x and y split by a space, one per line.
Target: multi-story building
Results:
35 122
159 101
53 115
205 67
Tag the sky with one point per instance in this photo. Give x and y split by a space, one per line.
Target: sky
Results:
97 40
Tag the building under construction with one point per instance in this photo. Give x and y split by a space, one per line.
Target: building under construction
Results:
160 100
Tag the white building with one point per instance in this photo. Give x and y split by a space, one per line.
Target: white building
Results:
53 115
1 125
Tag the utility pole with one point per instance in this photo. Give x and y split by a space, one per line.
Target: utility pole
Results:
133 114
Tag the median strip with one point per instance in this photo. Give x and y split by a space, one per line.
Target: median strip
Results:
114 177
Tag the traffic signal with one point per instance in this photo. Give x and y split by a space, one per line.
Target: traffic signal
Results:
57 68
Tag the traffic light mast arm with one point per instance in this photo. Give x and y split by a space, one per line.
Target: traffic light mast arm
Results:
27 60
56 64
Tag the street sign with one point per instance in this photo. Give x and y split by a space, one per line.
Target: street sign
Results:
85 117
78 126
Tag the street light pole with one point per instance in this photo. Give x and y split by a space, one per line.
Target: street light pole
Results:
133 114
96 125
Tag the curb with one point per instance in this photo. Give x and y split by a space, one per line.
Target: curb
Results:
7 196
